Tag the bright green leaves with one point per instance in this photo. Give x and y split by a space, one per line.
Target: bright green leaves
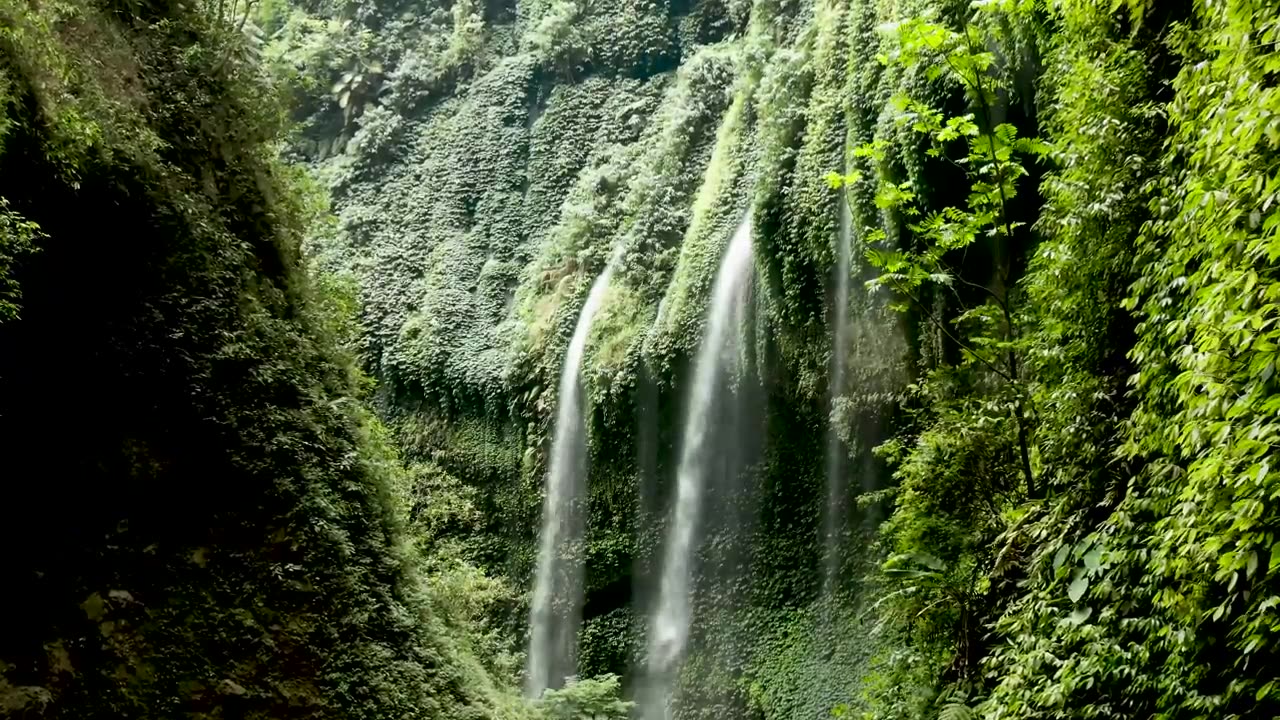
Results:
951 228
1092 565
1080 615
921 39
899 196
18 238
1061 556
1208 337
1178 572
943 51
589 699
892 261
956 128
918 564
968 456
1093 559
956 711
835 180
992 159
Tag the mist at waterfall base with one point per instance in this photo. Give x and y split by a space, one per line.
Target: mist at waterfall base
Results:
556 610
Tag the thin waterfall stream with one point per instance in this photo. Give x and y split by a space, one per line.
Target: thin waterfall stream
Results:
669 633
556 610
837 482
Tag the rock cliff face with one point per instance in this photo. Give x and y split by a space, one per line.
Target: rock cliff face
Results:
1040 236
500 155
199 518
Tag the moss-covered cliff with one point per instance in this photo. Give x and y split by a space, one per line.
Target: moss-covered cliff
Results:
1057 408
199 517
482 188
1030 182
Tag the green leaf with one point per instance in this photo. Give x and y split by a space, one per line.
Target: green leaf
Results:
1061 556
1079 584
1079 615
1093 559
928 561
93 606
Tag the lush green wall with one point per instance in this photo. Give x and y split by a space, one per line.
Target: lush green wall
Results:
476 211
1078 384
200 518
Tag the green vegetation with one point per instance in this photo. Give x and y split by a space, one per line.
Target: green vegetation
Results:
1079 530
285 288
201 518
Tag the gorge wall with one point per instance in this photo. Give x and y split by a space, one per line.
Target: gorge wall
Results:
502 154
277 391
1014 173
200 518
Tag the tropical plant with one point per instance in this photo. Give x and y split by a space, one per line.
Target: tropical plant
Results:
18 238
588 699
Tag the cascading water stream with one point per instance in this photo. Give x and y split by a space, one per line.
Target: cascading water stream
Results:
669 633
556 611
837 484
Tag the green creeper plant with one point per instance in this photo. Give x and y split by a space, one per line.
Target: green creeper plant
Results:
17 239
992 161
991 158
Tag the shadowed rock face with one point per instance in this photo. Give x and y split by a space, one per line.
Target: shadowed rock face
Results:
193 518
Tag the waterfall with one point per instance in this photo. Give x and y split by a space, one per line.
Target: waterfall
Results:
556 610
837 485
669 633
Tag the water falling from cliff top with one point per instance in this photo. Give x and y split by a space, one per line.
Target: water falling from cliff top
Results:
837 483
556 611
669 633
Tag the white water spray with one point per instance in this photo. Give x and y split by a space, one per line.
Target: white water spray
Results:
556 611
837 485
670 631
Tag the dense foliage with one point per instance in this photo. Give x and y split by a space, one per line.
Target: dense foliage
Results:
200 517
226 227
483 188
1132 577
1068 204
